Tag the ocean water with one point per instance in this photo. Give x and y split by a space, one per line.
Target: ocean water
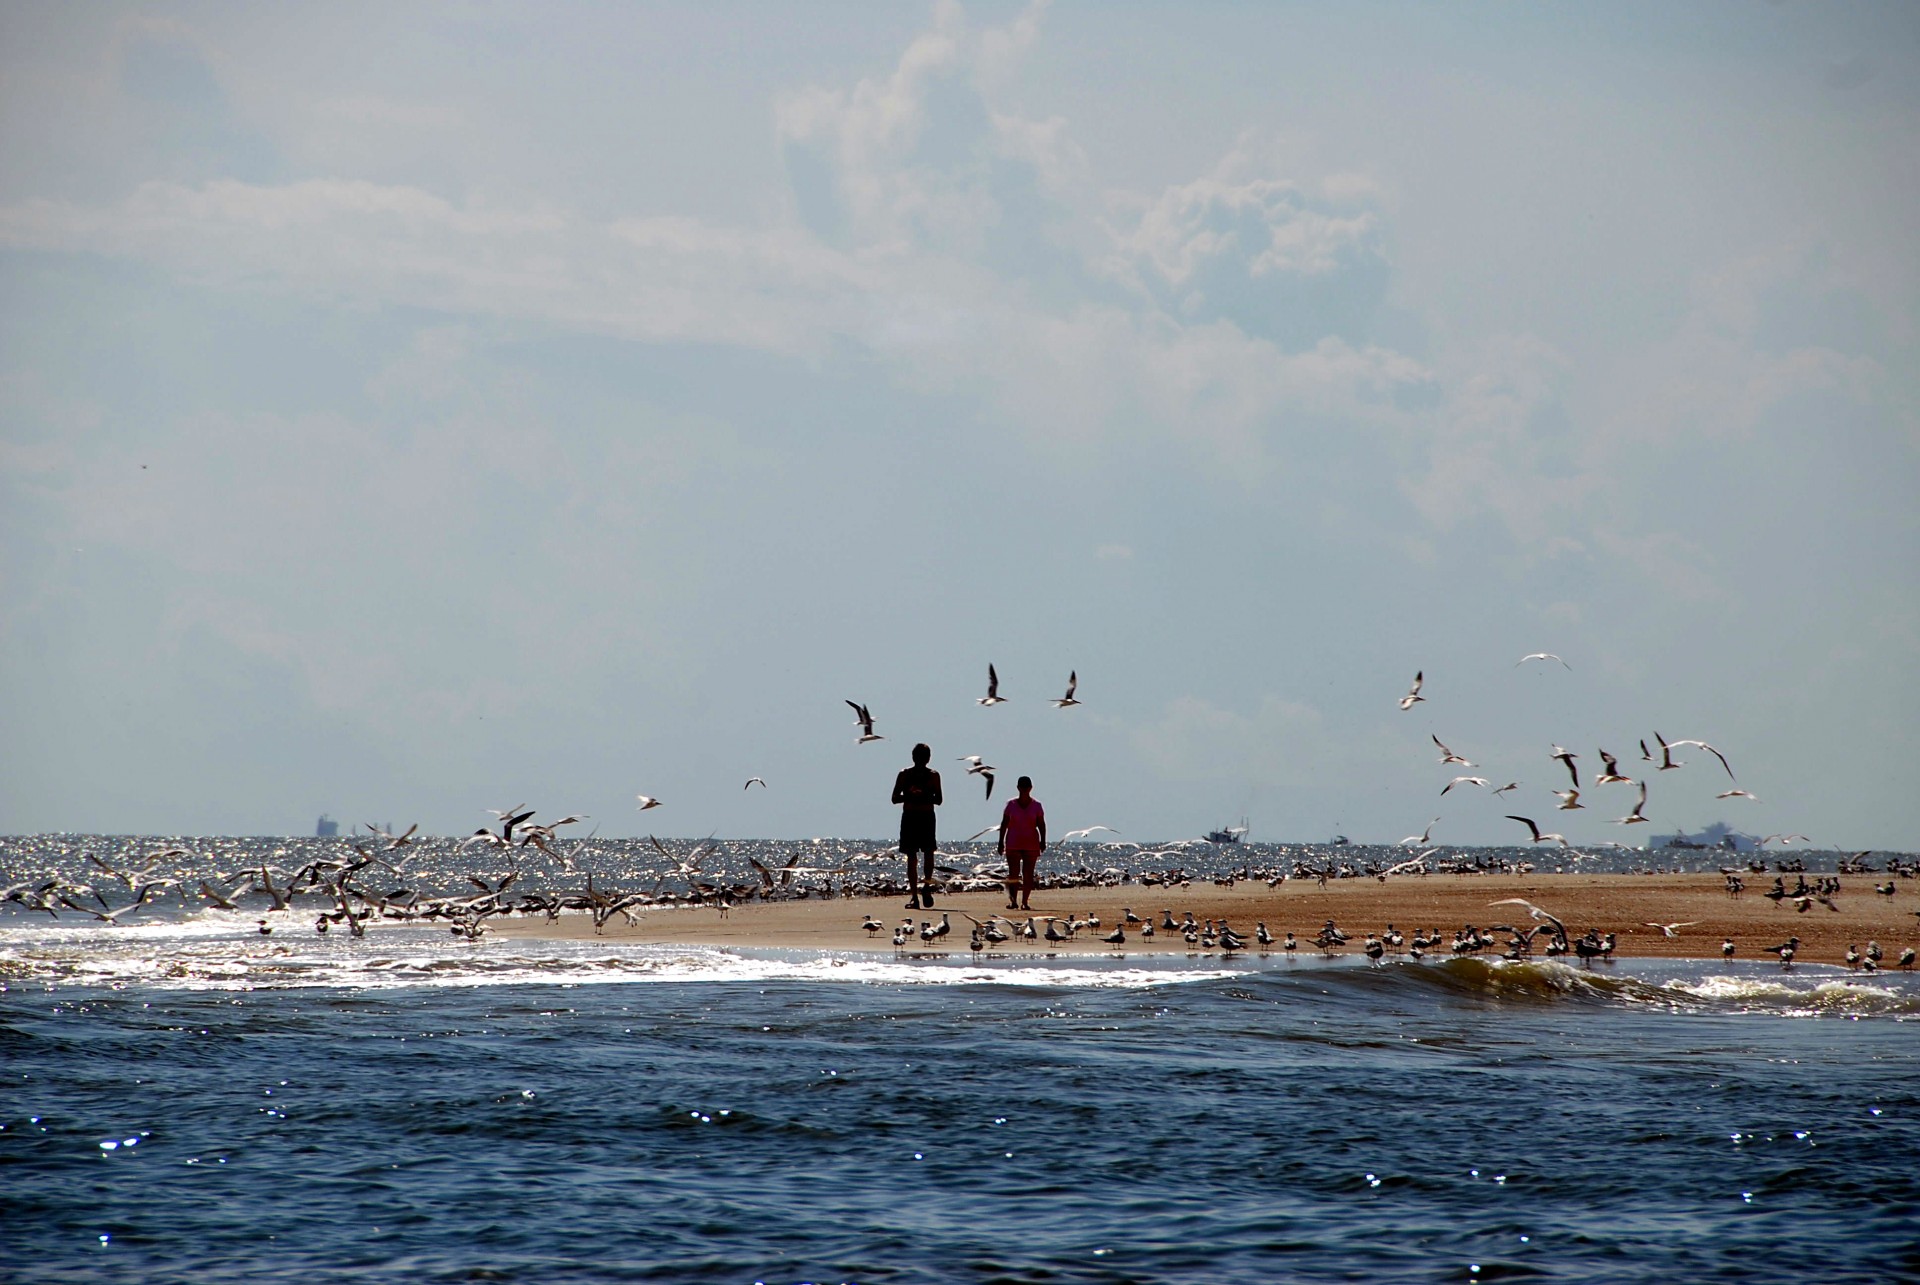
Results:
183 1099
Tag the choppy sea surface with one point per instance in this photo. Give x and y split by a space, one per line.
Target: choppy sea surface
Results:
185 1099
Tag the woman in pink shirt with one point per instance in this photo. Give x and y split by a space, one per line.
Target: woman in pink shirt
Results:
1023 837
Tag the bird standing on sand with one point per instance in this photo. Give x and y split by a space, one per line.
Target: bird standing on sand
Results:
1726 949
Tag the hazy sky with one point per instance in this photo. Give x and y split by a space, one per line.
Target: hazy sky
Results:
409 410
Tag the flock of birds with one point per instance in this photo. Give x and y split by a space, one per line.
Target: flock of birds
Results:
341 891
997 932
1610 774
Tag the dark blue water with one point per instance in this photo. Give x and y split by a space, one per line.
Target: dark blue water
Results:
191 1103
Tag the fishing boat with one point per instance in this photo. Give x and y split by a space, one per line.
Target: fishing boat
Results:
1228 834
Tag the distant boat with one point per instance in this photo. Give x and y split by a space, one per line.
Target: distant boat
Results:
1230 834
327 828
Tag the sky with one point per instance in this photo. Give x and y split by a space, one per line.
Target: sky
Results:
410 411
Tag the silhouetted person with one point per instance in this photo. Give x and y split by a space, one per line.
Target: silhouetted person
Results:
917 791
1023 837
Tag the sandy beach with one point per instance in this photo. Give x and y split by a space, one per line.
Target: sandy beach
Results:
1620 904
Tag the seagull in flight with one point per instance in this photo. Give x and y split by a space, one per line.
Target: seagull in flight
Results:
1538 837
1540 655
754 780
864 721
1568 756
1447 755
1737 794
1510 785
1413 695
646 801
1081 834
993 696
1418 840
1073 681
1610 772
1463 780
1569 799
1672 930
1533 910
1666 754
1709 749
1636 816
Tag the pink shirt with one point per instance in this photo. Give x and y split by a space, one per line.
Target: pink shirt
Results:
1022 820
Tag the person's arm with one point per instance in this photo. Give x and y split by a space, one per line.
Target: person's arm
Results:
937 800
1000 844
898 797
1041 822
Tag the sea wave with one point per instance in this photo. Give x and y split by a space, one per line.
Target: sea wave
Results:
202 954
1815 993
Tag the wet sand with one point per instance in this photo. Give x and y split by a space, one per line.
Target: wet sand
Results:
1621 904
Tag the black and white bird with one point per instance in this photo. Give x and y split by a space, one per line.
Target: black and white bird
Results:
1413 695
1567 756
1610 772
1539 837
993 696
1073 682
864 721
1638 815
1447 755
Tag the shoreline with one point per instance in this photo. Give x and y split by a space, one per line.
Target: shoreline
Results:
1625 905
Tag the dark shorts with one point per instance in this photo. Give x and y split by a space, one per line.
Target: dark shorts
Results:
916 832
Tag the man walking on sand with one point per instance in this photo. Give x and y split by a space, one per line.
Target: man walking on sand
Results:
1023 837
917 791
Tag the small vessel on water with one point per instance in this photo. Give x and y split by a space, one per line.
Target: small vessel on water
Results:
1229 834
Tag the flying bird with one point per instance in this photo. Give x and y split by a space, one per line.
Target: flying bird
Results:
1737 794
993 696
646 801
1636 816
1413 693
1462 780
1540 655
864 721
754 780
1610 772
1447 755
1538 837
1510 785
1709 749
1417 840
1567 756
1081 834
1073 681
1672 930
1666 753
